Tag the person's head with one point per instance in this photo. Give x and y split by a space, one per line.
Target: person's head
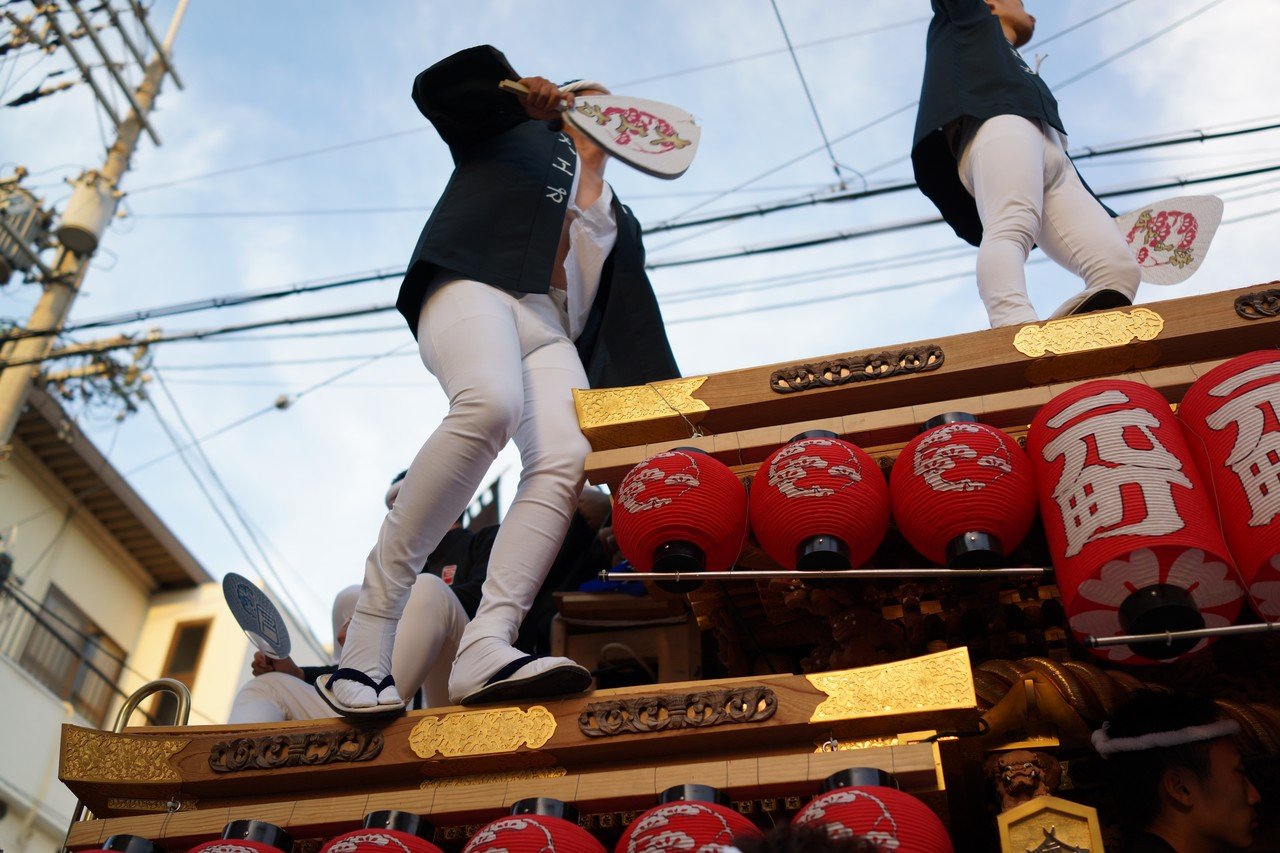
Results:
579 88
1177 770
393 490
1018 24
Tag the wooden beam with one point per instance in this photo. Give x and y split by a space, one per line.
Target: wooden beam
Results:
772 714
881 433
1159 334
918 766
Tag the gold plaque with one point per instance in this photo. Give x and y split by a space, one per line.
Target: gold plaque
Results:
89 755
622 412
487 732
936 682
1028 826
1087 332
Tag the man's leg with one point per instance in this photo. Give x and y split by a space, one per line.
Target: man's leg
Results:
1003 167
274 697
1081 237
468 338
552 452
427 640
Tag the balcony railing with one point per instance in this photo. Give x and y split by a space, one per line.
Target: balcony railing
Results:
75 666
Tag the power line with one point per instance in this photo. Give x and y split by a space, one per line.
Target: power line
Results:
312 286
186 179
288 400
840 236
739 59
861 128
283 588
1062 84
1091 152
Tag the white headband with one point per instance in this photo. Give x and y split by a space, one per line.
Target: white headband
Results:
1108 746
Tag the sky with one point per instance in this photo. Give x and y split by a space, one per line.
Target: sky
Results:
265 83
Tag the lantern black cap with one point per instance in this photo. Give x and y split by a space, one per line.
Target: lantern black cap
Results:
860 777
948 418
406 822
679 556
687 449
131 844
822 553
1157 608
261 832
974 550
812 433
696 793
546 806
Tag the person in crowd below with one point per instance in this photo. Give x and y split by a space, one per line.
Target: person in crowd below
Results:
1178 777
441 603
527 281
990 152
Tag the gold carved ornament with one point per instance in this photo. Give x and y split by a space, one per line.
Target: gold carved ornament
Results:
487 732
1088 332
622 412
89 755
936 682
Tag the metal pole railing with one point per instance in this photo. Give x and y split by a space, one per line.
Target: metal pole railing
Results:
842 574
1193 633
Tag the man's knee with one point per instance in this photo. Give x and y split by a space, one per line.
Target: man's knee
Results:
492 411
564 460
1016 220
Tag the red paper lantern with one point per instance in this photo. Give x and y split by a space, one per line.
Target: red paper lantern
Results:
386 832
819 502
1232 418
1135 544
680 510
690 818
962 492
534 827
885 816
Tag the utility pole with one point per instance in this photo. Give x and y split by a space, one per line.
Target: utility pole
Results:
93 204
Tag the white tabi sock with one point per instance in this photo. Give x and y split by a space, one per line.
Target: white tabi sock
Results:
367 649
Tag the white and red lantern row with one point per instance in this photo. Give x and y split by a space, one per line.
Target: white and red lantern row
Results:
963 493
1232 419
880 813
1133 534
819 503
688 818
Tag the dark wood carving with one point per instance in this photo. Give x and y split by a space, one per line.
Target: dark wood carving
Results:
1257 305
857 368
641 714
310 749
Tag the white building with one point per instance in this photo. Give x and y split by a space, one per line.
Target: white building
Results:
99 598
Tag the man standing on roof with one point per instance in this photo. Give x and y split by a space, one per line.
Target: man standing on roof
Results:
990 152
528 281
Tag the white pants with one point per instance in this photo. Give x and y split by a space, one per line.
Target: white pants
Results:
426 641
1028 193
508 368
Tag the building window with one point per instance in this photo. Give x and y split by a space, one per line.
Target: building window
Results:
69 654
181 664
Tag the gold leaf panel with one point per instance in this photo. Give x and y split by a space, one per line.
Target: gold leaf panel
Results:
493 730
1088 332
937 682
93 756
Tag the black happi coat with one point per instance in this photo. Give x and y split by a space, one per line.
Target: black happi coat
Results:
970 69
501 215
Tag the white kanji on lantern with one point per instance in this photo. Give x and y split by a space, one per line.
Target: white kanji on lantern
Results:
1100 462
936 454
1255 458
791 466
